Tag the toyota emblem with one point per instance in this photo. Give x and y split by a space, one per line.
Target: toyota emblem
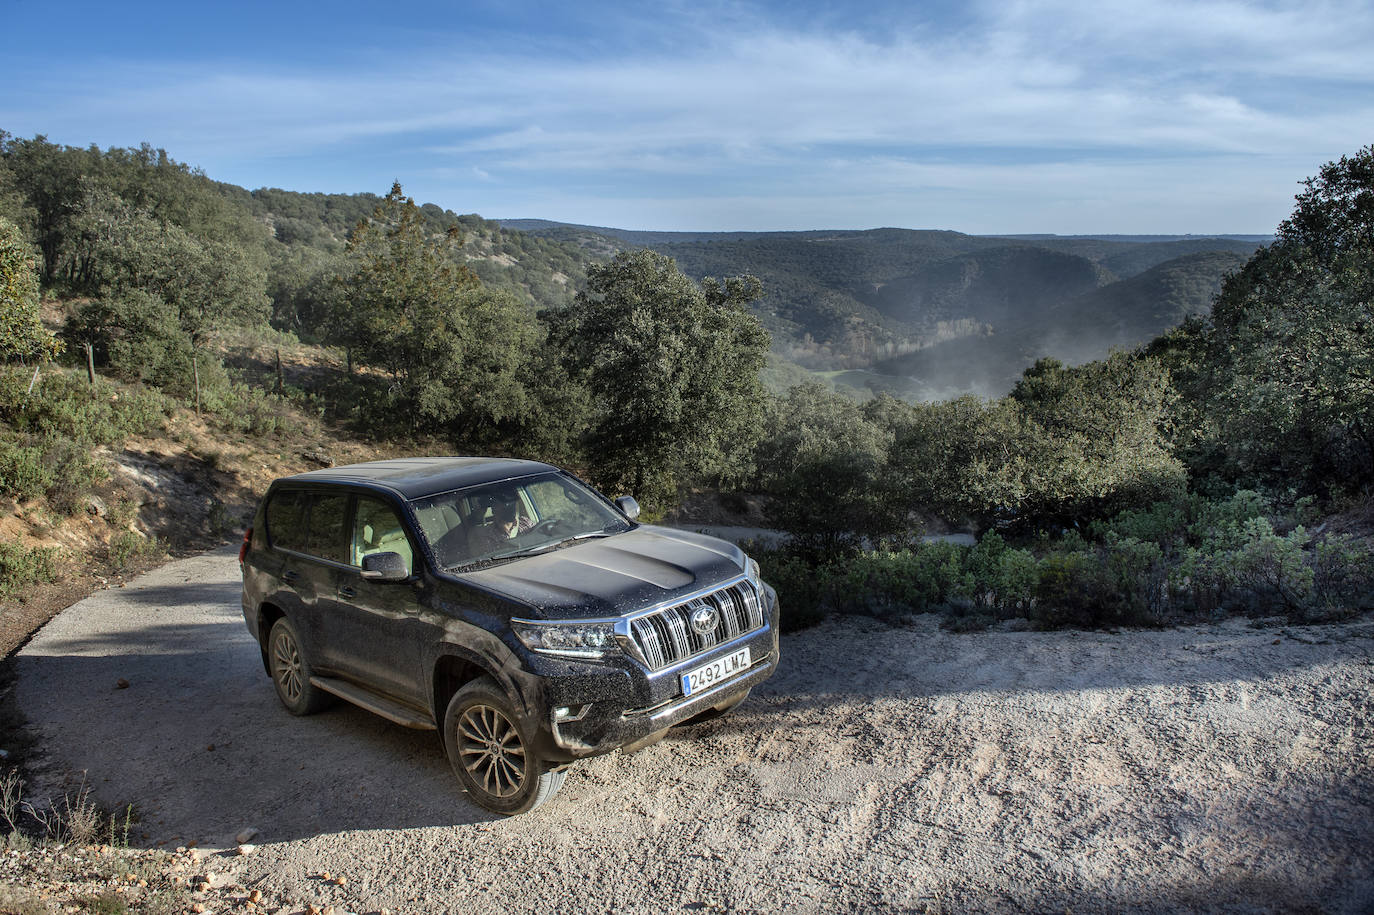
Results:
704 620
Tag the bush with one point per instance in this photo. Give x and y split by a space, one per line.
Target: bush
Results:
244 409
1141 577
1342 575
1238 563
1272 572
22 474
72 473
1074 589
128 547
64 405
21 567
917 580
800 586
1003 580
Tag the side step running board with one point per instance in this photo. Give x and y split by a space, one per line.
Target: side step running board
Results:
387 708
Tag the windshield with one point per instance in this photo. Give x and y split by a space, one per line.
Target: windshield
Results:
513 517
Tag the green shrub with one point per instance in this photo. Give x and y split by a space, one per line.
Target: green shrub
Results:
1222 523
915 580
1342 575
1002 579
21 567
128 547
1013 590
1141 578
1271 571
72 473
22 474
1164 523
1201 580
1072 590
64 405
800 586
243 408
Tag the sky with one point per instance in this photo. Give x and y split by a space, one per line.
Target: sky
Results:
1063 116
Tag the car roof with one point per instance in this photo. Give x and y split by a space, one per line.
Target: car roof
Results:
422 476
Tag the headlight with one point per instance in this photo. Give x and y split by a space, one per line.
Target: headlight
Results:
571 639
751 568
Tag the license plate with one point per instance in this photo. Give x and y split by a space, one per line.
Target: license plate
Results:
708 675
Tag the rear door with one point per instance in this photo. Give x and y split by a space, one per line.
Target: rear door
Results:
315 559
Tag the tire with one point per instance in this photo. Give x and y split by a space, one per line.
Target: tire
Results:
717 711
291 671
490 749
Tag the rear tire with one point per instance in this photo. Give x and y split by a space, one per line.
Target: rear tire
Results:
291 671
490 748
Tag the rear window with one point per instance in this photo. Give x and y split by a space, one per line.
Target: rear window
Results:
286 520
309 522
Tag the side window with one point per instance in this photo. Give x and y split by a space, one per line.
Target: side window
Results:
286 520
326 536
377 529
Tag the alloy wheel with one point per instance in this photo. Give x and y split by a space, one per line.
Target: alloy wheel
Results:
491 750
287 660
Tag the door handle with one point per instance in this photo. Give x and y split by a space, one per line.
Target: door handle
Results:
290 575
348 591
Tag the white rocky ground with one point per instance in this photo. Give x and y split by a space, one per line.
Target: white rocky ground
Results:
1221 767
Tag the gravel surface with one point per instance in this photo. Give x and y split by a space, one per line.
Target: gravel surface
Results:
1221 767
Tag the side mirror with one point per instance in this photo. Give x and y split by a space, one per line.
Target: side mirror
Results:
628 506
385 567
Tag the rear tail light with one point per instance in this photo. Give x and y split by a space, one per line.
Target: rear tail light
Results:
243 547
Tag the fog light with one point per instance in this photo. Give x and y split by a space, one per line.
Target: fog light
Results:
568 713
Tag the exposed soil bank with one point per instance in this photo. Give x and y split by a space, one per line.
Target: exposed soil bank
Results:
1219 767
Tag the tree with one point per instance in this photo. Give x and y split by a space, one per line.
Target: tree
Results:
55 181
673 372
1292 342
21 331
1099 434
158 291
823 459
453 348
1066 445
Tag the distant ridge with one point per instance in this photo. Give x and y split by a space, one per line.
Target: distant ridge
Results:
937 310
646 236
1145 239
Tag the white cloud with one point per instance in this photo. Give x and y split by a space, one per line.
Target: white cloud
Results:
1148 94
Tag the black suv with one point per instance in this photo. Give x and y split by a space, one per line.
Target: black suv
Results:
506 603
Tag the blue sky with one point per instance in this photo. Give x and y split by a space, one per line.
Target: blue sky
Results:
1066 116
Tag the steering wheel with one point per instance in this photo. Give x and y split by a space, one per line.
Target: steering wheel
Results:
547 527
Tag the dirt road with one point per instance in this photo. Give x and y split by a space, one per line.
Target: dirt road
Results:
1222 767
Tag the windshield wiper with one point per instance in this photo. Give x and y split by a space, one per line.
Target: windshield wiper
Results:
534 550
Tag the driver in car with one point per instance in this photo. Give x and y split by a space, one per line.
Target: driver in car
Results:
504 525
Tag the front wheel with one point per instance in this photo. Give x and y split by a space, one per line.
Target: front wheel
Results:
490 750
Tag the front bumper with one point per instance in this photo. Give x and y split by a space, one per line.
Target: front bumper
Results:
598 734
603 722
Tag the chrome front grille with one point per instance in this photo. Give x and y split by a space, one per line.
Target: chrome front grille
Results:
667 635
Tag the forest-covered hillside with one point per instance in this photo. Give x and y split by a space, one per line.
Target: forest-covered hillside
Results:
856 299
